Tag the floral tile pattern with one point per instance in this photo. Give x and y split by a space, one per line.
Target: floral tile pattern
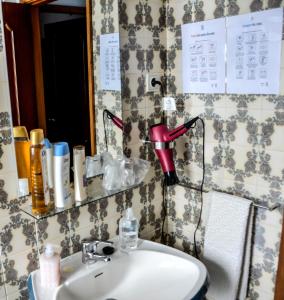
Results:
105 20
243 148
244 145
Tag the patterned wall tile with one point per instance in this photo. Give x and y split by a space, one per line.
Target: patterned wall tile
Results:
82 221
55 230
17 268
2 279
105 20
243 145
19 250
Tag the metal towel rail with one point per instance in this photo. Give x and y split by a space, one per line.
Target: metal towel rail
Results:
270 208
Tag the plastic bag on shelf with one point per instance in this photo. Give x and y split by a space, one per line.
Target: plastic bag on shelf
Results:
127 172
112 175
123 171
140 168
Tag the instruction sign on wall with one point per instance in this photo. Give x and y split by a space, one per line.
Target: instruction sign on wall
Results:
203 45
253 58
110 62
254 52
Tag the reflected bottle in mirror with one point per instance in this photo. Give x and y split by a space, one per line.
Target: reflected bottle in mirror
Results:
41 203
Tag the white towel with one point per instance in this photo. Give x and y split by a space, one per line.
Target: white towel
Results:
227 246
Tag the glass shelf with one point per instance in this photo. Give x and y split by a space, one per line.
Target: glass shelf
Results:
95 192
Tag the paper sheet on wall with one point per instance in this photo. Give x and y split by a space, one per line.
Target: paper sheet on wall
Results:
110 62
203 54
254 52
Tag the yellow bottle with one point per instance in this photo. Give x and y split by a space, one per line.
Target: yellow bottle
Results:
40 191
22 148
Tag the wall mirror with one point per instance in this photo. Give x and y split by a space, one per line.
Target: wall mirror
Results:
53 68
49 57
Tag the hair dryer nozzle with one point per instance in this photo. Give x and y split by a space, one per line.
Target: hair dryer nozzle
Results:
117 121
190 122
171 178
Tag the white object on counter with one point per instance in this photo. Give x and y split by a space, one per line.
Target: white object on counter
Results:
23 187
61 166
80 183
49 159
49 263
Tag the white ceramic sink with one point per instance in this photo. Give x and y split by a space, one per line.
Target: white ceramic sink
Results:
152 272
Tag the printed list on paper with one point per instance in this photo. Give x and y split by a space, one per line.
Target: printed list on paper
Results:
110 62
203 54
254 52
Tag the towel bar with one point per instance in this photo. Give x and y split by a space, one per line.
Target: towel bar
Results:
270 208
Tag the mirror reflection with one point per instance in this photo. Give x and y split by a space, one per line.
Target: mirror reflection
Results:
48 69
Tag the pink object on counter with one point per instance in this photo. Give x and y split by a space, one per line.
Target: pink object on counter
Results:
50 267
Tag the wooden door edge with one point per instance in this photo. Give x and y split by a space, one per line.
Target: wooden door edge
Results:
36 2
90 76
39 83
279 288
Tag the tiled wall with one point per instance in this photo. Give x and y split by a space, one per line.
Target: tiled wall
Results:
21 237
130 103
244 150
105 20
143 48
244 146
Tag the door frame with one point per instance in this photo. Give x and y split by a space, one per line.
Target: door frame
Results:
279 288
35 17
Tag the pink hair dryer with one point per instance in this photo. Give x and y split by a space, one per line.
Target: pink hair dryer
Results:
117 121
163 138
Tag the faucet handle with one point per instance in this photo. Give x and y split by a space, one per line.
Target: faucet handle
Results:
86 246
107 243
90 245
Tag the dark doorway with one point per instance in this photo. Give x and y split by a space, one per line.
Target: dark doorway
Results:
65 70
19 50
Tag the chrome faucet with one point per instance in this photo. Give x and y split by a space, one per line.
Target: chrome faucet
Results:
90 250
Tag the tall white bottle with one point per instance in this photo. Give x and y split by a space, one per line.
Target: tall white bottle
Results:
61 167
79 166
49 160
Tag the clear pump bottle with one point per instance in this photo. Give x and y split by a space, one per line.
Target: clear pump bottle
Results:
128 231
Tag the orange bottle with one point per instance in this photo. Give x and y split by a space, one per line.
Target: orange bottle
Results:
39 184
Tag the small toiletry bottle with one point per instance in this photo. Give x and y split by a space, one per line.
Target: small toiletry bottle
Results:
49 159
79 166
22 149
49 263
128 231
61 167
40 190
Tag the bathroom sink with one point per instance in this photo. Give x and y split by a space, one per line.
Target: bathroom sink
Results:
153 271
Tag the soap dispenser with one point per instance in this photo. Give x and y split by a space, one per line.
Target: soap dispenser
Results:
49 263
128 231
